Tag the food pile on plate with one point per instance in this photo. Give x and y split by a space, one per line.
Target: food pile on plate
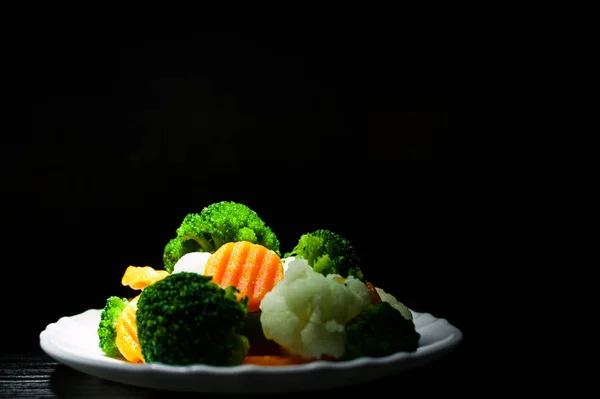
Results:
225 296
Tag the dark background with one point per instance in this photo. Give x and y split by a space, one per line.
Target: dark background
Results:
118 122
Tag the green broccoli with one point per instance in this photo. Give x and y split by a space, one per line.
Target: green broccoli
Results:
187 319
175 249
328 253
215 225
380 330
107 329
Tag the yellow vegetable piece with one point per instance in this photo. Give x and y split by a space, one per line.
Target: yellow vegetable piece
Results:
139 277
127 339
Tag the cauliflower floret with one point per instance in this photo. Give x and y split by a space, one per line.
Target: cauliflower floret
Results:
306 312
396 304
192 262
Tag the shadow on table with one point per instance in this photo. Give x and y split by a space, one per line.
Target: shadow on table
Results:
441 376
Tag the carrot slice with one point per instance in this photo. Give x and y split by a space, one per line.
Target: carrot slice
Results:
274 360
139 277
236 264
127 339
252 268
375 298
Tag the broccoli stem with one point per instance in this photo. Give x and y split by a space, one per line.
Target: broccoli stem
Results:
321 263
204 244
218 241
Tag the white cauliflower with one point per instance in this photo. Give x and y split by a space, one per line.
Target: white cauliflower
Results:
306 312
194 262
396 304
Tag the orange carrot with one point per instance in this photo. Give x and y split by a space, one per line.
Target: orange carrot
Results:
252 268
127 339
139 277
274 360
375 298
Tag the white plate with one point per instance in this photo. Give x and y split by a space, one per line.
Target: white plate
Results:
73 342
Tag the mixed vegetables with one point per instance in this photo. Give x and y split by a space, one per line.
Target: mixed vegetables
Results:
226 296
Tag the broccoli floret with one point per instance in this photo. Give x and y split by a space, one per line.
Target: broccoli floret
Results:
107 329
380 330
175 249
218 224
187 319
328 253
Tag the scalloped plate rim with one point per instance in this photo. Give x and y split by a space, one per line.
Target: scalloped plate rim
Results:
201 378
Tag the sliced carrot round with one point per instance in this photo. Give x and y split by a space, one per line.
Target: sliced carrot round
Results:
127 339
252 268
375 298
139 277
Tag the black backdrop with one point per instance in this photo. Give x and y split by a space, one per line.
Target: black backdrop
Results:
118 122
